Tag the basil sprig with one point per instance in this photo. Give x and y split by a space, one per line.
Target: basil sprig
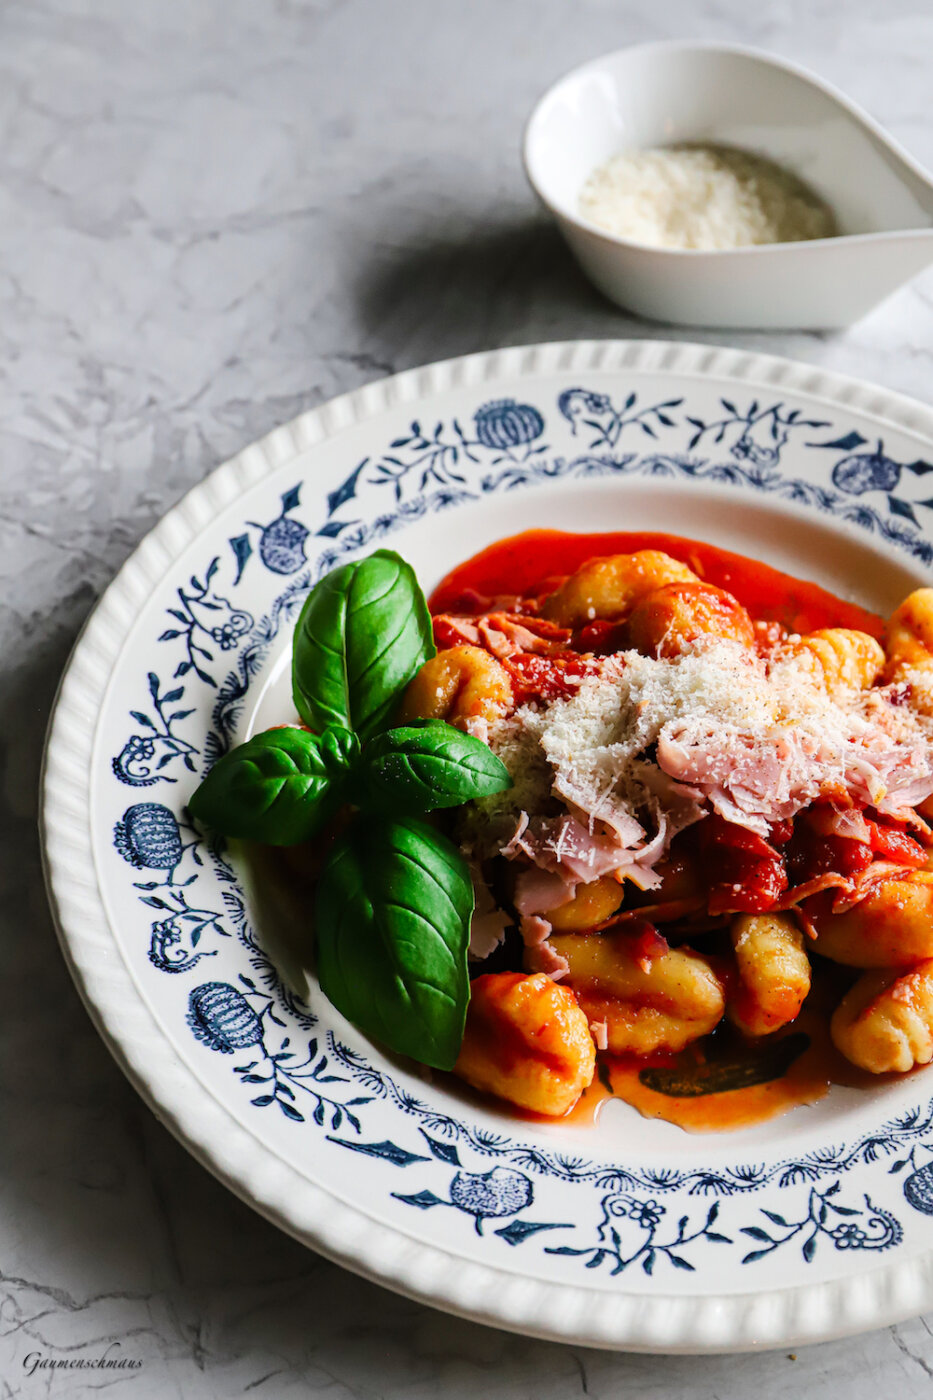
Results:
393 903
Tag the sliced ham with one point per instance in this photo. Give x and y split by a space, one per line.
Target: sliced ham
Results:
865 881
600 1033
539 891
513 845
830 881
543 958
488 923
564 847
534 930
502 634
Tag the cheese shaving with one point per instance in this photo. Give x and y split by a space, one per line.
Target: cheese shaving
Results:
648 745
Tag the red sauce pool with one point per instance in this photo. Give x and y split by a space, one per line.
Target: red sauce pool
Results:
534 563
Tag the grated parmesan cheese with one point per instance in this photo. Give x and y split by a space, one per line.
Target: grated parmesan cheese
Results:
703 197
648 744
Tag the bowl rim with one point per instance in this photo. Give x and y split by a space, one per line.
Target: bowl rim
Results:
566 213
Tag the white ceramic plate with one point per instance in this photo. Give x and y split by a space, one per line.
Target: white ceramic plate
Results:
630 1235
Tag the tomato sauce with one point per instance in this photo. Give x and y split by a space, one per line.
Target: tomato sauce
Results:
534 563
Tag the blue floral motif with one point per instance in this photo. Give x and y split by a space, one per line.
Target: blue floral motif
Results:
584 409
630 1233
848 1227
222 1018
758 434
918 1189
504 425
430 457
148 837
174 938
866 471
860 472
493 1195
281 542
633 1219
918 1186
203 617
144 757
168 949
489 1195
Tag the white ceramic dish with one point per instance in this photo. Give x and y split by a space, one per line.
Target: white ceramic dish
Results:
812 1226
655 94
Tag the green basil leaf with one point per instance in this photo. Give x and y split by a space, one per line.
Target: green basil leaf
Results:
426 765
363 632
275 788
392 926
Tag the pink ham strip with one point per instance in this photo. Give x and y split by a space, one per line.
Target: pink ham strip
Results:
542 958
600 1033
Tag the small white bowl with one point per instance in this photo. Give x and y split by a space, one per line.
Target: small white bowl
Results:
655 94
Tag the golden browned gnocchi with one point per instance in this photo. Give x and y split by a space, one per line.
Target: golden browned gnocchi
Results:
773 972
891 927
909 633
607 588
885 1022
459 684
526 1040
668 618
591 904
647 1003
839 656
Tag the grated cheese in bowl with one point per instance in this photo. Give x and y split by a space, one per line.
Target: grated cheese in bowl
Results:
703 197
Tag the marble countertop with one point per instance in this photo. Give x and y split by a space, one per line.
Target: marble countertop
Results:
214 214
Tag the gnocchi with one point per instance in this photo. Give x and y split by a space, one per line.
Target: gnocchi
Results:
839 656
527 1040
773 972
647 1004
891 927
459 684
885 1022
591 904
668 618
909 633
608 588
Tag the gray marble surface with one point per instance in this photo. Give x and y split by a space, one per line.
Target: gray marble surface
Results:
213 214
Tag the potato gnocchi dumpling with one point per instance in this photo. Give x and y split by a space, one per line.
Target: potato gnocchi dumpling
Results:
891 927
908 638
608 588
647 1003
839 656
459 684
527 1041
591 905
885 1022
664 621
773 972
